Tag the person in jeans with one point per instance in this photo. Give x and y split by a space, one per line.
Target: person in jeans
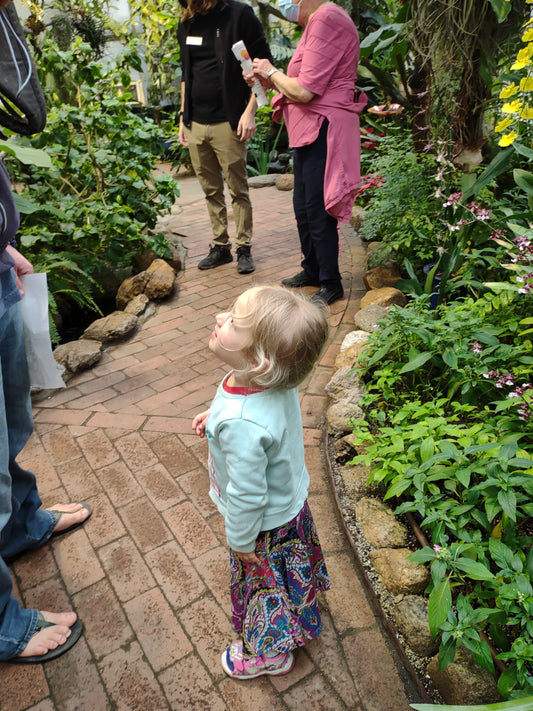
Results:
217 116
26 636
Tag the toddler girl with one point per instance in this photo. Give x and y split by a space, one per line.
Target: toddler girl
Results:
271 339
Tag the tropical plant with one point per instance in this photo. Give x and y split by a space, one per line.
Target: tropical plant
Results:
90 212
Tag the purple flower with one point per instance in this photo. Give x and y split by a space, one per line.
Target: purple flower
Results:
476 347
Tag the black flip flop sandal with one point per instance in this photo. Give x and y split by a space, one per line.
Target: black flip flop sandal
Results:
75 634
58 515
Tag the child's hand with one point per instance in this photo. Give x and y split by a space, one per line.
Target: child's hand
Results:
247 557
198 424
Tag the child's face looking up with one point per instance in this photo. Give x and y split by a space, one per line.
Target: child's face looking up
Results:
233 331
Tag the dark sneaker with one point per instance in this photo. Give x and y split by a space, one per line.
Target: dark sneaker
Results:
217 256
327 296
245 263
298 280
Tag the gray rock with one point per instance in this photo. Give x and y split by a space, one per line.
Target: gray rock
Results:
354 337
398 574
354 481
379 525
109 328
78 355
411 616
367 319
340 414
344 379
464 682
262 181
137 305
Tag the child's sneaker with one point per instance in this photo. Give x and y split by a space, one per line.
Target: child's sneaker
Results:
235 665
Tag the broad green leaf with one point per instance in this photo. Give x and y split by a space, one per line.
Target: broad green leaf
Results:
474 569
450 358
496 167
426 449
501 8
447 654
507 500
417 362
27 155
439 604
524 180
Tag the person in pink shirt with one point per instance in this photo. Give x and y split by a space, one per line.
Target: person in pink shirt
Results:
318 100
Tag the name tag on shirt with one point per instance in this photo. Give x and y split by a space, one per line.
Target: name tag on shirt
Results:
193 40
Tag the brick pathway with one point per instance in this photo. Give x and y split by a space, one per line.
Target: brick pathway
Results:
148 574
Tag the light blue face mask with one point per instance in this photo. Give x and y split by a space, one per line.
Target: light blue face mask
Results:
289 11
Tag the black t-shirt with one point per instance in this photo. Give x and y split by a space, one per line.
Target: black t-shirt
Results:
207 101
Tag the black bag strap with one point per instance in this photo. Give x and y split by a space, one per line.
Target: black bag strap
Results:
22 103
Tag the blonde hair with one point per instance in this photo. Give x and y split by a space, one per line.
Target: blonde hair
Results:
288 334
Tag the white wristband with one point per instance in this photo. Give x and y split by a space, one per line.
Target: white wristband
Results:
272 71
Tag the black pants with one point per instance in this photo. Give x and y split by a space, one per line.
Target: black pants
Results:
318 231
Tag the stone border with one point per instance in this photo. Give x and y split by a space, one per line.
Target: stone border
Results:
413 684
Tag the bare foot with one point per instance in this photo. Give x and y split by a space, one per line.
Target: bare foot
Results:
50 637
73 514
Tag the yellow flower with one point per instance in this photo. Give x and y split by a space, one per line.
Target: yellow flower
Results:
526 84
526 112
512 107
528 35
525 53
509 90
509 137
503 124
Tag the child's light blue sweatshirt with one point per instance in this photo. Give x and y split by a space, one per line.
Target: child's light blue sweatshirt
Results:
259 480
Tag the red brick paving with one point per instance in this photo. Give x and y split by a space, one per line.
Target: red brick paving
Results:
148 573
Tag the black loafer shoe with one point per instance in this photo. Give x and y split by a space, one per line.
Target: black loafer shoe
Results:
245 263
217 256
298 280
327 296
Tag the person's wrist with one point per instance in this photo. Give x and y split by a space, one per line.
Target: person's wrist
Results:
271 72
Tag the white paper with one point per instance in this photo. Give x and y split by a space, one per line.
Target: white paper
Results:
42 365
241 54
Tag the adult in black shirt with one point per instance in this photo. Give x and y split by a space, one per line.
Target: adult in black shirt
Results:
218 116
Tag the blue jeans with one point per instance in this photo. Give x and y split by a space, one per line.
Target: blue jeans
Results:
318 231
23 524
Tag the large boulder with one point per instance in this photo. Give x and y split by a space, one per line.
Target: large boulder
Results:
379 525
411 617
379 277
110 328
464 682
345 379
398 574
340 414
367 319
387 296
78 355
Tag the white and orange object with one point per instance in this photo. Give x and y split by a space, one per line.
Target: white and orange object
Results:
242 56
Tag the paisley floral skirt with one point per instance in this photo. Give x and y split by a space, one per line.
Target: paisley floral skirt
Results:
274 605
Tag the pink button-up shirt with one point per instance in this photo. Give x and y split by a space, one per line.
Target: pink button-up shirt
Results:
325 63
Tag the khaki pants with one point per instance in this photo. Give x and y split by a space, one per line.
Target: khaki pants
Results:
216 153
